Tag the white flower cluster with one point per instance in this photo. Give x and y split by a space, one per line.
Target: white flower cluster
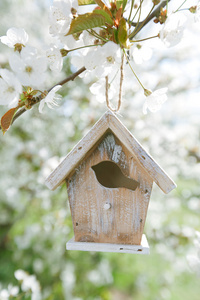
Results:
28 68
100 49
194 261
29 283
9 292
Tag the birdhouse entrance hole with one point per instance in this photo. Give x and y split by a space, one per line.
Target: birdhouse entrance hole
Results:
110 175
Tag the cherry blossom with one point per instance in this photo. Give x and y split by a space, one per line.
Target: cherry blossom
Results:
172 31
20 274
99 90
103 60
10 292
197 15
140 53
15 38
193 260
61 16
97 45
196 11
51 99
154 100
54 58
10 88
29 67
29 283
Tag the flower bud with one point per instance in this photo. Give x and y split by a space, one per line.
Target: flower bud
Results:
147 92
64 52
156 2
193 9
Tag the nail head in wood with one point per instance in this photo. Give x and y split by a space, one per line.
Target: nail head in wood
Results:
107 206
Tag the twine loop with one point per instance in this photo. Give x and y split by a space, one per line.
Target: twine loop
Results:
120 89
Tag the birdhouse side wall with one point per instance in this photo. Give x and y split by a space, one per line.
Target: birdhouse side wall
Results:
109 215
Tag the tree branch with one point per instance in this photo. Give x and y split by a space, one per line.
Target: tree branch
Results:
148 19
138 27
69 78
38 99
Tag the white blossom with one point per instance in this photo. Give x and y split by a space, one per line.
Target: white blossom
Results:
89 39
4 294
10 88
29 283
70 42
154 100
99 90
140 53
172 31
54 58
20 274
61 16
197 13
13 290
194 263
103 60
29 67
15 36
51 99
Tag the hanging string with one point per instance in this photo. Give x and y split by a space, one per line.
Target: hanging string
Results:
120 88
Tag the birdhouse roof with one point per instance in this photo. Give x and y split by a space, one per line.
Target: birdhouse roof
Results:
109 121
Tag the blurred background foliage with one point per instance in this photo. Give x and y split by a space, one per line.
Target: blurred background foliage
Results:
35 223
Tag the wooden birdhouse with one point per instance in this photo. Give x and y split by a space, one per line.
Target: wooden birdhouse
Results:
109 179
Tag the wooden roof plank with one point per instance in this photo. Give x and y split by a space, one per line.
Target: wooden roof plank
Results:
159 176
72 160
77 154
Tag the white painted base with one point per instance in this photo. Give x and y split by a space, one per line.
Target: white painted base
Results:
106 247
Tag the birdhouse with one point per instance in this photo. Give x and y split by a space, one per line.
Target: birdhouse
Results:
109 179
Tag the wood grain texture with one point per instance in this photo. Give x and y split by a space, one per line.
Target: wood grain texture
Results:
109 121
74 157
103 247
155 171
123 222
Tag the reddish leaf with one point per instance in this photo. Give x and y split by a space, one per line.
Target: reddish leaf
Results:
118 16
6 120
104 7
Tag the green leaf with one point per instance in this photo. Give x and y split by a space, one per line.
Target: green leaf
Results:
102 12
115 32
121 3
124 4
86 21
86 2
122 32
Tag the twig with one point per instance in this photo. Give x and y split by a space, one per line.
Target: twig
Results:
69 78
149 18
138 27
38 99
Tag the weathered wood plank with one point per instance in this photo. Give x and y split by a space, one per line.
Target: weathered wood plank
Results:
124 221
109 121
74 157
106 247
155 171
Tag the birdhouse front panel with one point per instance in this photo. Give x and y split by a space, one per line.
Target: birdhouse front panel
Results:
109 192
